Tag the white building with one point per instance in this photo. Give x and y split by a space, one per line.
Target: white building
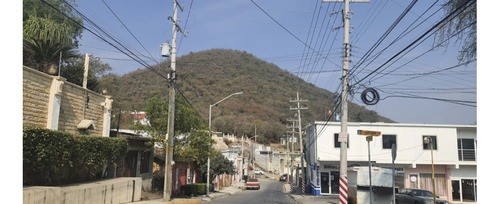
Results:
454 156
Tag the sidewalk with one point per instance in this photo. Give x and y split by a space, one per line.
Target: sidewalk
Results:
307 198
227 191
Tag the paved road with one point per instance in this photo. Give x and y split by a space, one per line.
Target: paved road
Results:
271 191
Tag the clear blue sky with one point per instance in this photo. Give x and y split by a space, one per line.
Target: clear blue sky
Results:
243 25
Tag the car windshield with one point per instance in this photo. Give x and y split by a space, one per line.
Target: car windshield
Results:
422 193
253 180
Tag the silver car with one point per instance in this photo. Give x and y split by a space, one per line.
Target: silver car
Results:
417 196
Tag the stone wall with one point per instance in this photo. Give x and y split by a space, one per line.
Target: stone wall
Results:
117 190
36 89
52 102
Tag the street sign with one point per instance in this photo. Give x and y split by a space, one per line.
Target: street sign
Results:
369 132
394 152
343 137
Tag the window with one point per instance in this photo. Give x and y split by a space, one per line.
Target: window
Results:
388 140
466 150
337 143
433 139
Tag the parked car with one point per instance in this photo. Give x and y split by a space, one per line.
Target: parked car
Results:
283 177
258 172
253 183
417 196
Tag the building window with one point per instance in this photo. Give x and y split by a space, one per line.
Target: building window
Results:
466 150
433 139
388 140
337 143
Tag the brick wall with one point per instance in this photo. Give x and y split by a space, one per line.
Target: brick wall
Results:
36 91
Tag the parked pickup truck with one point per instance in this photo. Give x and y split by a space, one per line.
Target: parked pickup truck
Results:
253 183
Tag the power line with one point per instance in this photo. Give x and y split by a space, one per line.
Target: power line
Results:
289 32
123 24
382 38
129 54
424 35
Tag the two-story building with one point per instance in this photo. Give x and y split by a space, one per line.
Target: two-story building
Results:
454 156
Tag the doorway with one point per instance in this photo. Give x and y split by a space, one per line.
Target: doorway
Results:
334 181
324 182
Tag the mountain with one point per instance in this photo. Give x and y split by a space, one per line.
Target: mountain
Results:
206 77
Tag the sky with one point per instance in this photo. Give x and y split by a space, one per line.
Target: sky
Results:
305 38
241 25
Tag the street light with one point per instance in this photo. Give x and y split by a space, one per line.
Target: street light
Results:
210 135
428 140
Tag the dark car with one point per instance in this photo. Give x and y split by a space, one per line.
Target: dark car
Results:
283 177
417 196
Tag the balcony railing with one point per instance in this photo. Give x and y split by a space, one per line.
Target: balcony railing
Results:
467 155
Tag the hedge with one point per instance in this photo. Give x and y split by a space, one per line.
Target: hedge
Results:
55 157
195 189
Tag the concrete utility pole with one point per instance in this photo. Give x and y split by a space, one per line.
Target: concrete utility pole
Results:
167 190
298 108
343 136
86 70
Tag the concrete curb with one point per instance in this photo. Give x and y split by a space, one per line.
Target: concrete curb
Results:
185 201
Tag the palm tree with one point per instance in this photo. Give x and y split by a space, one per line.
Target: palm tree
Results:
47 34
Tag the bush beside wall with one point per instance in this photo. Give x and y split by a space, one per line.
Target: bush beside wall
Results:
55 157
195 189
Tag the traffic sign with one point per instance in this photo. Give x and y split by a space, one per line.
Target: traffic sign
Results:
369 132
343 137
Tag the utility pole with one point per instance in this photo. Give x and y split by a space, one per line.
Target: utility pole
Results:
298 108
343 136
86 70
292 158
167 190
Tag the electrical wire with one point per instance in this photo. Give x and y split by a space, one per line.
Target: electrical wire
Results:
424 35
129 53
384 36
123 24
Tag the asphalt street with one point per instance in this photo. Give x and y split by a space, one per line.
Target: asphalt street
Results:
271 191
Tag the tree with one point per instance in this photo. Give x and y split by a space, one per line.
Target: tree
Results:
219 164
463 26
186 118
74 68
47 33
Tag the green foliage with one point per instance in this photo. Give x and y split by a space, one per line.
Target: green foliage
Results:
74 68
46 33
194 147
56 157
195 189
186 118
219 164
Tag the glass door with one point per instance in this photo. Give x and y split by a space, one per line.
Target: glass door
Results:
324 182
334 182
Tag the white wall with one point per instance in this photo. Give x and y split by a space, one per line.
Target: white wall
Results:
409 139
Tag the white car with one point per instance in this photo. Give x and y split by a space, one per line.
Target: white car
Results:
258 172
